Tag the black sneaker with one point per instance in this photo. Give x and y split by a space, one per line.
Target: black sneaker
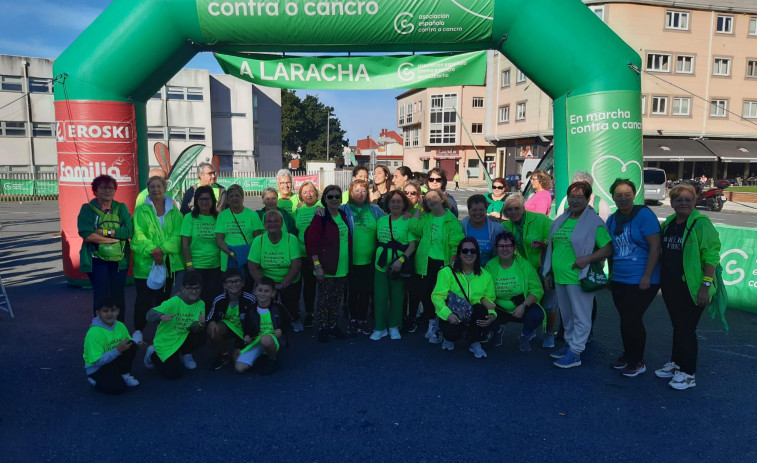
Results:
337 332
308 323
269 367
221 361
620 363
323 335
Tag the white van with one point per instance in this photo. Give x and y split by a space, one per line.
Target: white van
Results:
655 185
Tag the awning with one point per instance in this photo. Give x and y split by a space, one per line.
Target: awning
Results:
733 150
675 149
425 158
448 156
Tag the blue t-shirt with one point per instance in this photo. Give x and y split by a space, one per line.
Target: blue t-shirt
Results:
484 241
630 248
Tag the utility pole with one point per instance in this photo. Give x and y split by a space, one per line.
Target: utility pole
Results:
328 122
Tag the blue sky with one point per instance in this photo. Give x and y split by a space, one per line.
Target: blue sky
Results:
44 28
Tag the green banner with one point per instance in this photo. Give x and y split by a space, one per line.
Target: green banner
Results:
339 22
603 135
17 187
738 256
358 72
45 187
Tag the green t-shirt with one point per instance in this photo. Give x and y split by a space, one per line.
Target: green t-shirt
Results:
233 321
100 340
171 334
506 284
275 259
266 328
289 204
495 206
401 233
237 231
436 251
303 217
344 248
363 236
563 256
203 246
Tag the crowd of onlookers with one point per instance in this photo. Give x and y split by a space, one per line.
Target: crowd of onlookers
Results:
391 257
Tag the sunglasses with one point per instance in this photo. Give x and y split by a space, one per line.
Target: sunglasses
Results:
333 197
498 187
411 193
435 179
468 251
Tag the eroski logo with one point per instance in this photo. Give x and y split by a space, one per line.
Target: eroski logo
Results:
95 131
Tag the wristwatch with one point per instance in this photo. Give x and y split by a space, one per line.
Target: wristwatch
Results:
707 283
110 233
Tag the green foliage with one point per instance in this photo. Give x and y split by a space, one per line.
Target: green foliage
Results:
742 189
304 126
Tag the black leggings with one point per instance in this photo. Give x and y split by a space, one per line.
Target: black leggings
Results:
632 303
308 285
173 368
361 291
472 331
108 378
684 315
211 285
148 299
290 299
425 287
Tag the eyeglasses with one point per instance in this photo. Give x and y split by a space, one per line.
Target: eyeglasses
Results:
107 188
212 172
435 179
285 183
333 197
234 282
193 288
468 251
505 246
495 187
411 193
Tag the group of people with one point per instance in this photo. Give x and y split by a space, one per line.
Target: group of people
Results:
395 256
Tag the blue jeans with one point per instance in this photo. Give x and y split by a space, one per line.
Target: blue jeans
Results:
108 281
531 319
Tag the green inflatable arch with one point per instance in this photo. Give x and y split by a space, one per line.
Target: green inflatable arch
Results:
135 46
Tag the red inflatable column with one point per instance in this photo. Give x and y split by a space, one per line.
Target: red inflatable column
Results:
94 138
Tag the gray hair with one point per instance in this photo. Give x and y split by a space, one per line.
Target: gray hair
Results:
201 167
283 173
270 190
582 176
515 198
235 187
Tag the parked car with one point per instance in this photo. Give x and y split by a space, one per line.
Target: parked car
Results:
513 182
655 185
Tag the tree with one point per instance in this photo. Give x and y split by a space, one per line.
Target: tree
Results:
304 126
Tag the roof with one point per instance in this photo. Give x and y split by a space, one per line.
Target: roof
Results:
732 6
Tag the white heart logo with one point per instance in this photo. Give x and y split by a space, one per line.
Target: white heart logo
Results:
623 168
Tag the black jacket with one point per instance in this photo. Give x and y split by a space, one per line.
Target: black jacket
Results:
251 320
187 204
217 313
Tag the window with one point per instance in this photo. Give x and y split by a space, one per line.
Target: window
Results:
477 128
12 129
40 85
11 84
718 108
184 93
660 105
725 24
598 10
156 133
443 119
520 112
420 106
751 68
722 67
504 114
197 133
194 94
643 104
406 138
186 133
158 95
409 118
659 62
426 165
681 106
505 78
401 118
677 20
750 109
478 102
685 64
752 26
416 136
42 129
520 78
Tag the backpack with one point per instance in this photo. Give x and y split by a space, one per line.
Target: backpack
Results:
112 252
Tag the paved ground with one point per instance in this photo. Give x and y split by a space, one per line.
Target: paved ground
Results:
357 399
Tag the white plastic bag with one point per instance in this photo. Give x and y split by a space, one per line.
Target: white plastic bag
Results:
157 277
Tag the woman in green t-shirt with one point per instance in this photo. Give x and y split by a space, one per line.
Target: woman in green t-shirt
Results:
577 238
395 245
496 198
270 203
361 220
235 229
199 246
276 255
303 215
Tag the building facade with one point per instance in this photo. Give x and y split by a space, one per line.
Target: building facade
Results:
699 88
239 122
444 127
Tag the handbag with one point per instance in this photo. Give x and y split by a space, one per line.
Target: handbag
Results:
240 251
157 277
462 308
595 279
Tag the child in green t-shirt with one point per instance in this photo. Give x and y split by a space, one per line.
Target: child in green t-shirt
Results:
262 330
109 351
226 315
181 330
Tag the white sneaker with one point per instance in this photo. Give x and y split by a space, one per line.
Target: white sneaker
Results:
477 350
130 380
376 335
436 339
188 361
91 381
448 345
682 381
431 332
137 337
668 370
148 359
394 333
297 326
